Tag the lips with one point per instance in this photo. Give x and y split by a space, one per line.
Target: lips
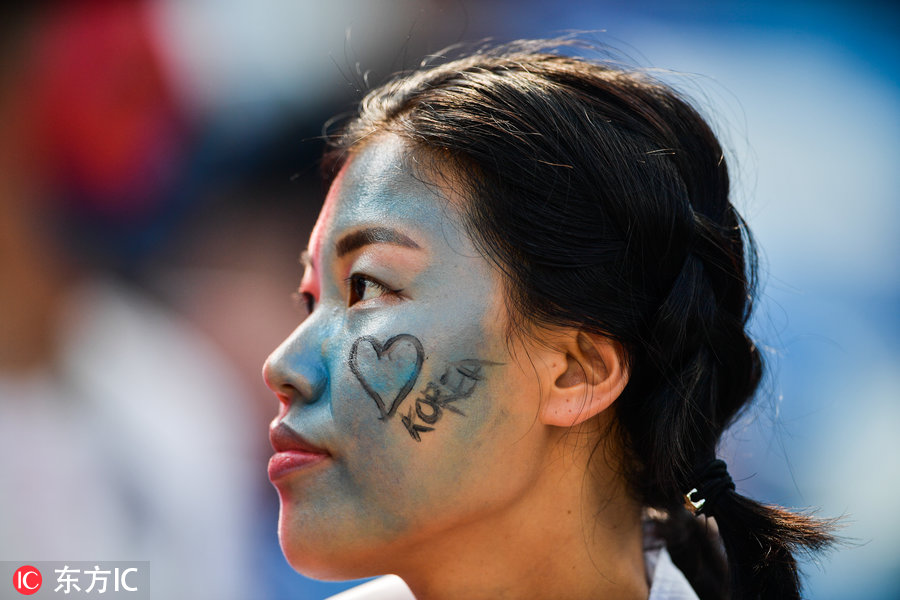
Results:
292 452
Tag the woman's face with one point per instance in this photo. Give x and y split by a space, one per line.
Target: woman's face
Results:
405 419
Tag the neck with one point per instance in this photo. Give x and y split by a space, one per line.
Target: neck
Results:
571 536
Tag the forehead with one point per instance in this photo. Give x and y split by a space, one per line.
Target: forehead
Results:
381 186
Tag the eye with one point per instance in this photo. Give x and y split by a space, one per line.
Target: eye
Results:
304 301
309 301
362 288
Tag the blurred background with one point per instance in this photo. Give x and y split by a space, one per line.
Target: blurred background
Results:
159 177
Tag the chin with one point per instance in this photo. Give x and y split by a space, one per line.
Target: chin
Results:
323 553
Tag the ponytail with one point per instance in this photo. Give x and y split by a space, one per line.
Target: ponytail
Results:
761 542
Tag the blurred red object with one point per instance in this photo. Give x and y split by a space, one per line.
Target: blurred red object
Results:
109 127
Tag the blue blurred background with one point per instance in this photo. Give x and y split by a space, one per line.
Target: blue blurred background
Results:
158 179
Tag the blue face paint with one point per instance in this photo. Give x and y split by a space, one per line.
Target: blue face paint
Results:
387 370
400 376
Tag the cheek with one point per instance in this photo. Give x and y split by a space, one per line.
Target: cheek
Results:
453 426
403 383
468 466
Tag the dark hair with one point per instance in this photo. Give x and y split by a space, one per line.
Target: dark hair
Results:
603 197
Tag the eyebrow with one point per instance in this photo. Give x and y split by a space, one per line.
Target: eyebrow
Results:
373 235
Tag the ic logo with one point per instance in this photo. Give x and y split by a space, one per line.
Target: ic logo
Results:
27 580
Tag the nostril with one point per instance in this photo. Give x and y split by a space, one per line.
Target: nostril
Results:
284 405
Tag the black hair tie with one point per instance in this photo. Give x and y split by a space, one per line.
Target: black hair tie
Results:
712 480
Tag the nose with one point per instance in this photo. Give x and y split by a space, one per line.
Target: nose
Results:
295 370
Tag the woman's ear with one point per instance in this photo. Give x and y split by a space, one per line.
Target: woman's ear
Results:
584 378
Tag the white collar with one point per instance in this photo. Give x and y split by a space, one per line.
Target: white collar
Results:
667 582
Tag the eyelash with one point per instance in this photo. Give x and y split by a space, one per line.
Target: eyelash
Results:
353 294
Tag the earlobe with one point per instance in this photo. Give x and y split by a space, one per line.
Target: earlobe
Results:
585 381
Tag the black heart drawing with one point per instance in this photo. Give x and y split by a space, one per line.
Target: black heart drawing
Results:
391 350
